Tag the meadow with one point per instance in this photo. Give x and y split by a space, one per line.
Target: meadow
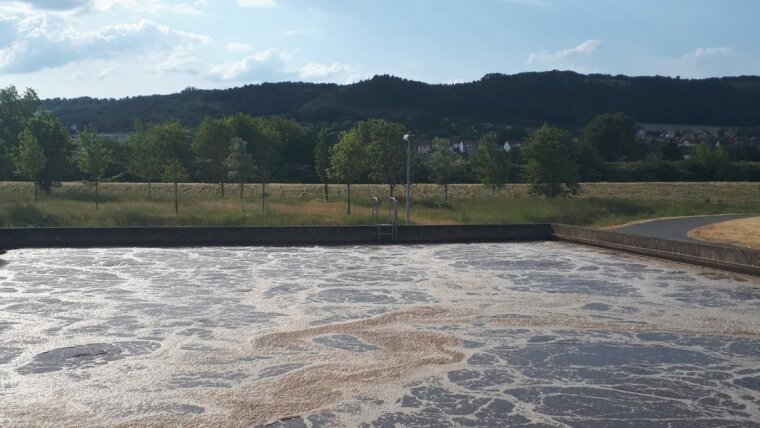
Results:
126 204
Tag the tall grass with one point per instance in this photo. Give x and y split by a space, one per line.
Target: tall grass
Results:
125 204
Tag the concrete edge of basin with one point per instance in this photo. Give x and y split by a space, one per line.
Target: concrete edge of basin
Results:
16 238
734 259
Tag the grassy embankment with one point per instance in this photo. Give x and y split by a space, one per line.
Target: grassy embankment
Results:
600 204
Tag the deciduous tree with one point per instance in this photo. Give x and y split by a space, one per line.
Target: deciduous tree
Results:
489 163
322 158
54 140
144 157
150 149
211 147
551 167
387 152
443 164
15 110
239 163
30 159
174 172
614 137
348 158
92 156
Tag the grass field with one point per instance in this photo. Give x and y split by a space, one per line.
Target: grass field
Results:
600 204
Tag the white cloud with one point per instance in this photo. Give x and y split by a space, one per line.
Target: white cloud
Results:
263 66
700 63
180 61
298 33
72 7
239 47
316 71
154 7
355 78
274 65
35 45
54 5
103 74
586 48
257 3
702 53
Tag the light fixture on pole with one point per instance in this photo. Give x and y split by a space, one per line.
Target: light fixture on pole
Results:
408 139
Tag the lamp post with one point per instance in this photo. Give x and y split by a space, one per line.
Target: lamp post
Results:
408 139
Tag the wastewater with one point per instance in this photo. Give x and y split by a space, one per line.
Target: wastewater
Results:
489 335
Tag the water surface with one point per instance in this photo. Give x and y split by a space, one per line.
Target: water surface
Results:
538 334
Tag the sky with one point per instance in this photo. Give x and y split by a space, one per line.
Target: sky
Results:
118 48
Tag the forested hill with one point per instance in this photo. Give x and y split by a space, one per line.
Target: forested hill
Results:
527 99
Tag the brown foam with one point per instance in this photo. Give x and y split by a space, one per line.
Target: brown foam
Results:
405 351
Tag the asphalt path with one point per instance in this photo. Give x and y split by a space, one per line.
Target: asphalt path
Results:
677 229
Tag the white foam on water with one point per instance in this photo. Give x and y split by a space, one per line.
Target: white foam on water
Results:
252 336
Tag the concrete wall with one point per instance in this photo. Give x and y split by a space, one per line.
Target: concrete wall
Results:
183 236
721 257
474 233
236 236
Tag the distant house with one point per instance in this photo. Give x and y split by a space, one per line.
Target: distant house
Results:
509 146
687 140
424 146
468 146
117 137
120 137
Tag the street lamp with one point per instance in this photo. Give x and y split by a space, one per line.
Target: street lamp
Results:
408 139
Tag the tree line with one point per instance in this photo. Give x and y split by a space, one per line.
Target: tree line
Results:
563 98
241 148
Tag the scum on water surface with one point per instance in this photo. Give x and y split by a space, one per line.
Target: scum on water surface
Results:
472 335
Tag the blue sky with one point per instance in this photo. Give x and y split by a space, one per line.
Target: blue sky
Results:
116 48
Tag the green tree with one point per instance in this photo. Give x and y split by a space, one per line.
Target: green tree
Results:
211 147
54 140
292 151
489 163
614 137
551 167
174 172
29 159
709 163
348 158
144 157
387 152
173 141
443 164
272 133
239 163
670 151
15 110
92 155
322 158
150 149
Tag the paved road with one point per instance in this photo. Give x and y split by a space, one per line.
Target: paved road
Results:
677 229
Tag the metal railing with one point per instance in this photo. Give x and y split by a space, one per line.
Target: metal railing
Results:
392 225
